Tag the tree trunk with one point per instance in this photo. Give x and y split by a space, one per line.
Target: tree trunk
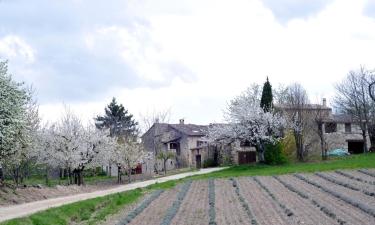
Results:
129 175
47 181
1 176
260 147
165 166
119 174
70 176
110 170
364 140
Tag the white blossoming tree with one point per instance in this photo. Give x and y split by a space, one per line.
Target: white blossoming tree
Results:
247 121
127 155
70 145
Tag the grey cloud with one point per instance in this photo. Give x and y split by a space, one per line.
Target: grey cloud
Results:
285 10
65 69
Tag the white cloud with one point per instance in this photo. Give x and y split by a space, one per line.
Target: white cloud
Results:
14 47
225 46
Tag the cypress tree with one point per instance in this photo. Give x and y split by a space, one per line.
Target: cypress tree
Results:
267 97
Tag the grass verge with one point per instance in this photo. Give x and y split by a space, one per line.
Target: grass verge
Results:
349 162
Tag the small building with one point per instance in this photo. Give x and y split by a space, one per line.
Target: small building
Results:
188 142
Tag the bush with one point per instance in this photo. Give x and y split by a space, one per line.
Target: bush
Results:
209 163
274 154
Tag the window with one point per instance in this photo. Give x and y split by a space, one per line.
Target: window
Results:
200 143
245 143
172 145
331 127
348 128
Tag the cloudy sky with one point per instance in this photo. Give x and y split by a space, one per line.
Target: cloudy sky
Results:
191 56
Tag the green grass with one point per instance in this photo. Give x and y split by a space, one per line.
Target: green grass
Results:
349 162
53 182
95 210
89 211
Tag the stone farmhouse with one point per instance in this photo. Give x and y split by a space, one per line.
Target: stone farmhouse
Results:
188 141
340 131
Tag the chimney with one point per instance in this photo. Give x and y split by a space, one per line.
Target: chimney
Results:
324 102
182 121
157 120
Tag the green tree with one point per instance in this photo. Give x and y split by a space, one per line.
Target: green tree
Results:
164 156
118 120
267 97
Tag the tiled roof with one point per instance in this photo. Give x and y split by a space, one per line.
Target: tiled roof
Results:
191 129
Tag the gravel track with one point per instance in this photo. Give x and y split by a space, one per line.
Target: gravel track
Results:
267 211
304 211
229 210
342 210
155 212
194 208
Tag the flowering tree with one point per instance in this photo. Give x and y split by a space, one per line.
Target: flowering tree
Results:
127 155
18 122
70 145
247 121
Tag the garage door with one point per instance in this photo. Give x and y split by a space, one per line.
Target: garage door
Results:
246 157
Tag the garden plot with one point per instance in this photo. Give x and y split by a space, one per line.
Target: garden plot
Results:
302 209
278 200
155 211
338 208
355 175
265 209
229 209
357 196
367 189
194 209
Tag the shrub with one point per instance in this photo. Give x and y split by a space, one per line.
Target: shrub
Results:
209 163
274 154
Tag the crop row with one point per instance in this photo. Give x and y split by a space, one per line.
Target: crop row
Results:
350 201
211 202
354 177
140 208
287 211
172 211
322 208
367 173
347 185
244 203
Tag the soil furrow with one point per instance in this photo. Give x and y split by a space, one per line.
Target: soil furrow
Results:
264 208
303 210
356 176
228 208
337 193
155 212
343 210
194 208
339 188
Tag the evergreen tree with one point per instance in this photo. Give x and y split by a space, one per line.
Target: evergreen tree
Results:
118 120
267 97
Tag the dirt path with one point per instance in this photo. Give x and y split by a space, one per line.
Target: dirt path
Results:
11 212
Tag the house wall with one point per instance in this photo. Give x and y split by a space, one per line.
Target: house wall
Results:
339 139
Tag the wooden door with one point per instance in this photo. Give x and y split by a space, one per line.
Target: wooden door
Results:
246 157
198 161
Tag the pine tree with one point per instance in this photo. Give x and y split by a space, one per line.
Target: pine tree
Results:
267 97
118 120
